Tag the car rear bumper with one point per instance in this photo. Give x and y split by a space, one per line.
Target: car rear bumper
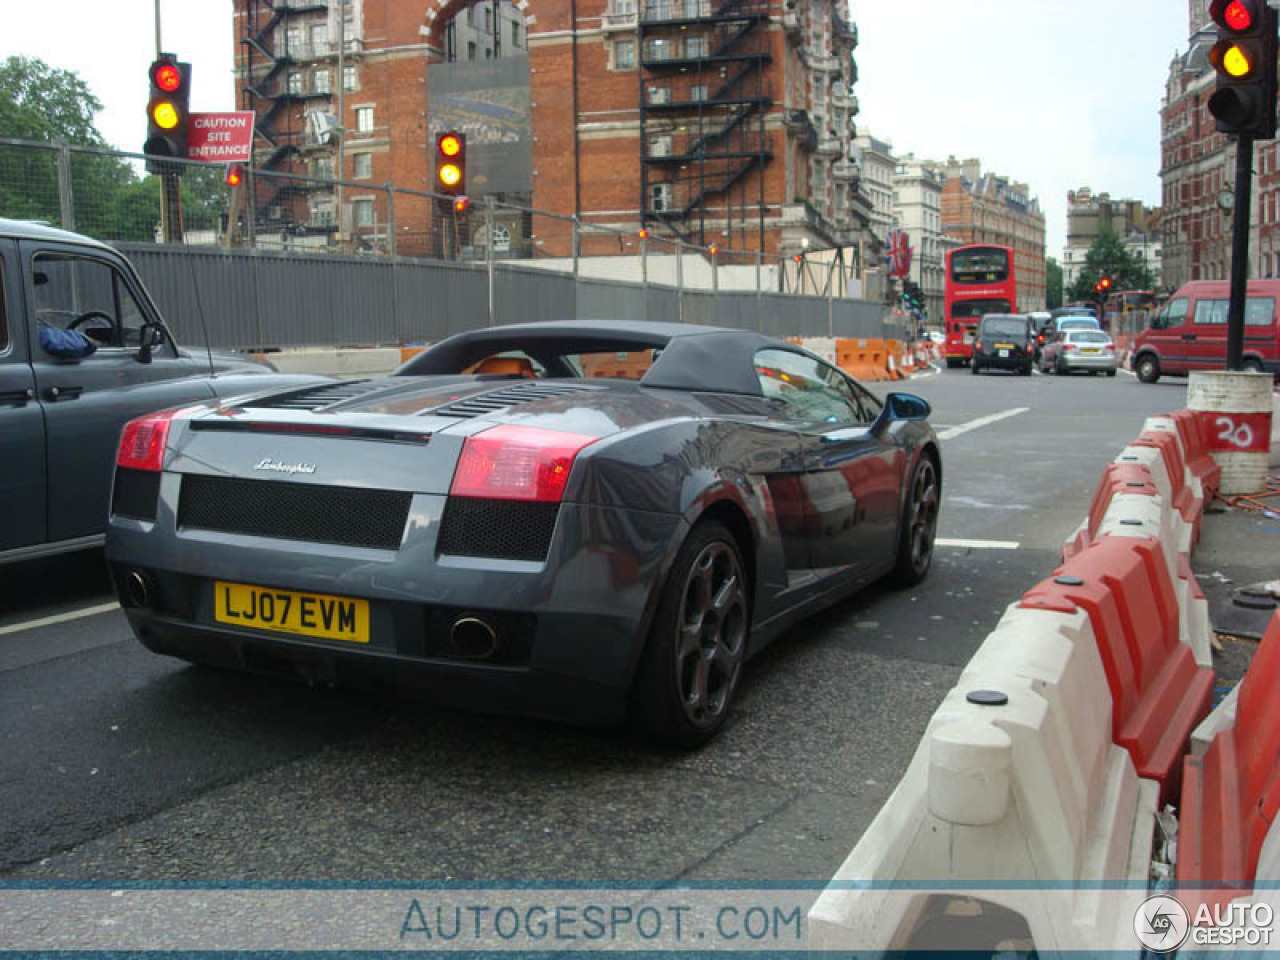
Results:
1018 361
1100 362
568 630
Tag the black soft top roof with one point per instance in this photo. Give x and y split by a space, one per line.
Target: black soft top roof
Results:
717 359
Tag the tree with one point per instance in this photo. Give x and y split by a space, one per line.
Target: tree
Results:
1052 283
111 202
1108 257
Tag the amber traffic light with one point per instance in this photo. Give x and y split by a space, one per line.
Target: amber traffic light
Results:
235 175
1244 58
451 163
168 111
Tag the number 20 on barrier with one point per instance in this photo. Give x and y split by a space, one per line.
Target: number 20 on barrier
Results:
1238 431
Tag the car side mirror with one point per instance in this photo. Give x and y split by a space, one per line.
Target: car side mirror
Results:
151 335
907 406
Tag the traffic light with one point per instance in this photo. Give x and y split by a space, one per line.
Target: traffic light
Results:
451 163
460 204
168 111
1102 286
235 175
1244 101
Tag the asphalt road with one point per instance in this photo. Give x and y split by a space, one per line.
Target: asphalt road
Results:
116 763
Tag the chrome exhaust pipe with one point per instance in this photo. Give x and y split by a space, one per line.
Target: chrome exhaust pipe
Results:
473 638
137 588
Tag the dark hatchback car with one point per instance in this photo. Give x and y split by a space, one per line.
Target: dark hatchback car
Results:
1005 341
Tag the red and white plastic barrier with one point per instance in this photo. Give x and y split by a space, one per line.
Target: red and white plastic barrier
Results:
1046 763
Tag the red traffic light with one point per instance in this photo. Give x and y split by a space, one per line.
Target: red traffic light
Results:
1106 283
644 234
714 248
166 76
460 204
1235 15
235 175
450 145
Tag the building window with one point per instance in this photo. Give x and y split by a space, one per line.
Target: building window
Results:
295 83
698 92
659 95
320 81
655 48
364 212
364 119
471 15
659 197
293 40
471 50
323 169
348 77
515 33
362 165
695 47
319 38
488 20
624 54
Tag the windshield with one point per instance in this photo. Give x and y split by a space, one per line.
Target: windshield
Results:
1006 327
1088 336
973 309
980 265
1081 324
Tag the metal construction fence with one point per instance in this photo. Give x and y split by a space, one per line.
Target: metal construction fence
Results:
289 261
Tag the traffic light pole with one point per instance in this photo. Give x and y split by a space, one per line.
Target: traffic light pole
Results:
170 208
1239 252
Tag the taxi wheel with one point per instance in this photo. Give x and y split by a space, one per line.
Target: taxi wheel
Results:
691 665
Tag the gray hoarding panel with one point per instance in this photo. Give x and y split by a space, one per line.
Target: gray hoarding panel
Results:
611 300
525 295
199 291
697 307
859 318
435 300
663 304
319 302
790 316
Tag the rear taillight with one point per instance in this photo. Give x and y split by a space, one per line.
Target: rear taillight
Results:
143 440
1110 346
1066 347
517 463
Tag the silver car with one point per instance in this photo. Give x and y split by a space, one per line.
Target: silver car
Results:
1091 350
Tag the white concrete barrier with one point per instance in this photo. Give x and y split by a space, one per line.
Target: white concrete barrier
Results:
1009 815
1167 425
823 347
353 362
1220 718
1153 460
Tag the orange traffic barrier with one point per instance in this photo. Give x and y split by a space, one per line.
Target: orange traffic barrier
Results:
858 357
1184 498
1116 478
408 353
1195 443
1231 793
1158 693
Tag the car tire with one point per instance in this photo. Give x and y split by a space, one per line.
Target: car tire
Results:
974 368
1061 368
952 363
1147 368
692 661
1251 365
1026 371
919 525
1111 373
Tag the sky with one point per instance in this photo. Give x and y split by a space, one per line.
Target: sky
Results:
1057 94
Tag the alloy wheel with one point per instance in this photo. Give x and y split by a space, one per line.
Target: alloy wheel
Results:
922 514
712 633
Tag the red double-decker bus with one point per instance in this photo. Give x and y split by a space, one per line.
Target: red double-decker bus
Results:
980 280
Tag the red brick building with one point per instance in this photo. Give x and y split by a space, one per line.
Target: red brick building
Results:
1197 170
694 118
982 207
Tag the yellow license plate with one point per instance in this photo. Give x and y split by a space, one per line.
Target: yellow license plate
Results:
1004 346
1090 350
287 611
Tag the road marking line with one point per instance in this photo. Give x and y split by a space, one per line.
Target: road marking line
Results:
981 422
979 544
1129 372
59 618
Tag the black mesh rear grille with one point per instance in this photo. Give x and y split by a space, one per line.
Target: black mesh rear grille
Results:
504 397
135 493
507 529
294 511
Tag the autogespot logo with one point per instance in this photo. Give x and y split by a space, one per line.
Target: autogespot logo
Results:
1161 923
